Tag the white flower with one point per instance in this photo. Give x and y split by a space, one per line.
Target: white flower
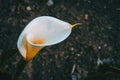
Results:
40 32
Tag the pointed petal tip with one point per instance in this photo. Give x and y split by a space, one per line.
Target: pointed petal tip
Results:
76 24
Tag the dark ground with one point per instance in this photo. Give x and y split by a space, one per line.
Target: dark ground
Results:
96 40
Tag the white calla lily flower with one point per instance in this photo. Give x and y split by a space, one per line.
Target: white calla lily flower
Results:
40 32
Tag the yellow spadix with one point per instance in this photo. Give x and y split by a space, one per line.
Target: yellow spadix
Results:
40 32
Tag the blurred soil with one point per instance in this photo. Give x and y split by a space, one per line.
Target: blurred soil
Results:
96 41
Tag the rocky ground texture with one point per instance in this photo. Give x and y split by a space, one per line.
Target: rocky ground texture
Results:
94 44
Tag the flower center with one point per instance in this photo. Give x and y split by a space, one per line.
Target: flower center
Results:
40 41
33 50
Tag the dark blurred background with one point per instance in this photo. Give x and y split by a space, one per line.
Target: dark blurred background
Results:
91 52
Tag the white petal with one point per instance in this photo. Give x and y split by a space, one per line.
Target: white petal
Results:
50 29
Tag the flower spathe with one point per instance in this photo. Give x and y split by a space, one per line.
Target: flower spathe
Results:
40 32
